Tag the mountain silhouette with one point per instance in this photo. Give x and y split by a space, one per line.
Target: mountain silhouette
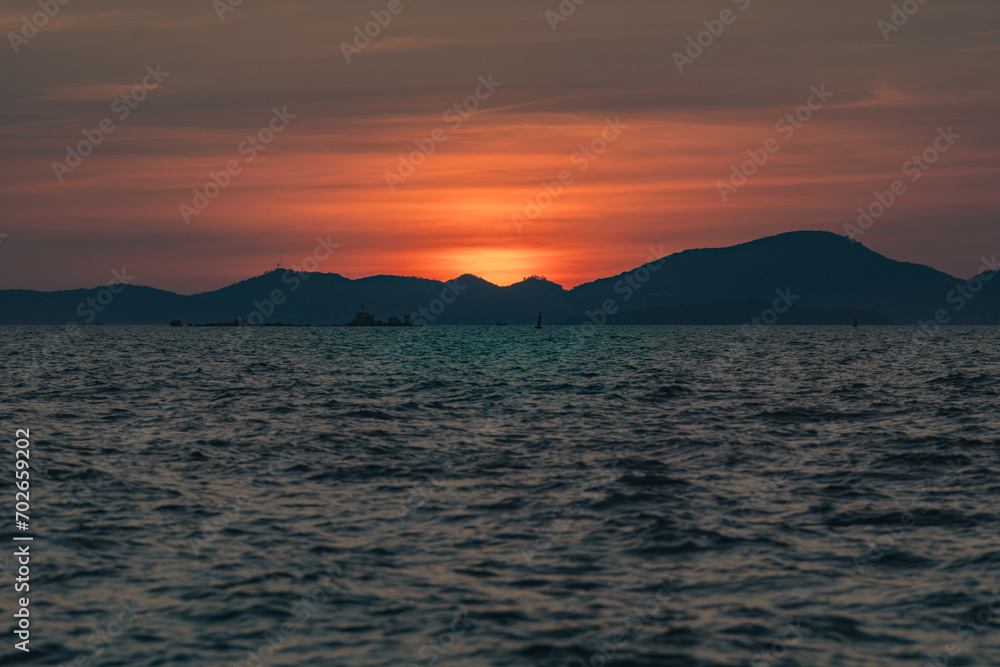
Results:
824 279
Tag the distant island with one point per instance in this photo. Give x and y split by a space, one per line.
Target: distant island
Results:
806 277
363 318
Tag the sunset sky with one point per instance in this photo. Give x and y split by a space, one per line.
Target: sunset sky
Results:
324 174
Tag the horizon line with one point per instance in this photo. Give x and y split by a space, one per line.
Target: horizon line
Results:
473 275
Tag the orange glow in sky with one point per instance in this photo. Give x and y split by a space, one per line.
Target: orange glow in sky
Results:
325 175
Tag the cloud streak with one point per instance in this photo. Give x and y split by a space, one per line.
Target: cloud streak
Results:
325 175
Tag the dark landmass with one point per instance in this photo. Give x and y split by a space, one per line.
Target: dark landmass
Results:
813 277
738 313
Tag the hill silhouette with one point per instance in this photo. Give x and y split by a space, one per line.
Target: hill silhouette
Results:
831 278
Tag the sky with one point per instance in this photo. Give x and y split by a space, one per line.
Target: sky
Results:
357 144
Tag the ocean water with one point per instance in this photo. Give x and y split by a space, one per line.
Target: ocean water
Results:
630 496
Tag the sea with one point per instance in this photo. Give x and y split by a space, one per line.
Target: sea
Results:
504 496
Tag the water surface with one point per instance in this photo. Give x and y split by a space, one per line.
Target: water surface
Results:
634 496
